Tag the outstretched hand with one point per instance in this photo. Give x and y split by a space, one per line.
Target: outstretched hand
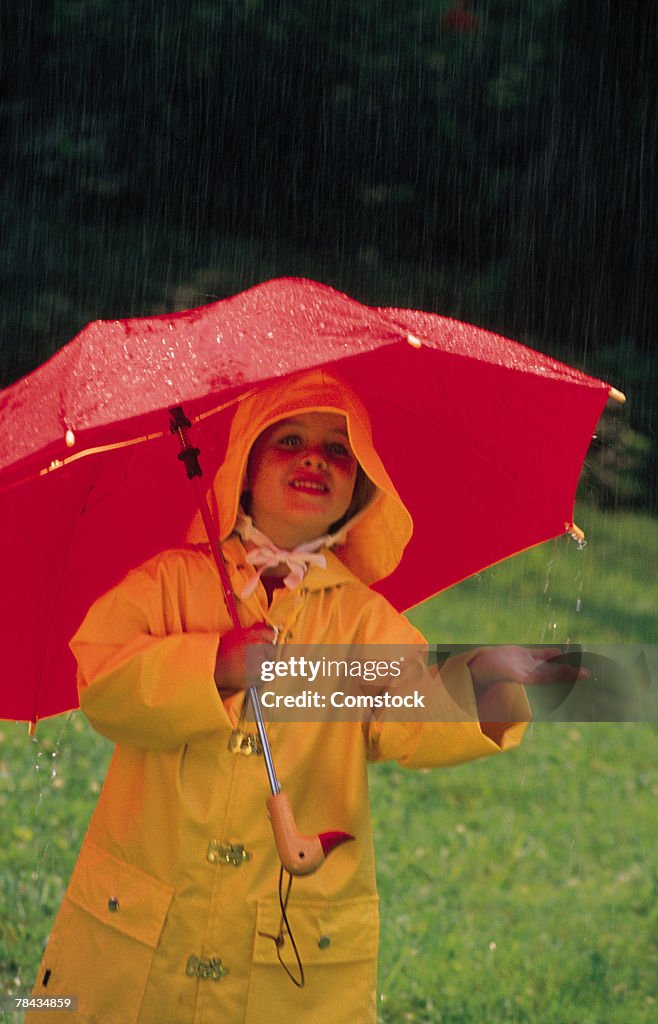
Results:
523 665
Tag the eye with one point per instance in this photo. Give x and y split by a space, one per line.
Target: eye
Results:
289 440
341 451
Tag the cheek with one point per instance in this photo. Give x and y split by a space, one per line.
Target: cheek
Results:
263 466
345 468
345 478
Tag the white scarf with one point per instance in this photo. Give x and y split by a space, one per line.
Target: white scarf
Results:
266 554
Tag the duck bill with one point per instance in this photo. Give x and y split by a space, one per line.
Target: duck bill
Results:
299 854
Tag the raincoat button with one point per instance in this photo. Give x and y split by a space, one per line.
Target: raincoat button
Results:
324 941
203 967
227 853
113 905
244 743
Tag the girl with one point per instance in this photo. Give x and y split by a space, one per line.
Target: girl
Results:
172 909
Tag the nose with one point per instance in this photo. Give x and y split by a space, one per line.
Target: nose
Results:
315 458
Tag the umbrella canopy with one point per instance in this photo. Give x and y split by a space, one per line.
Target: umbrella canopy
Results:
483 438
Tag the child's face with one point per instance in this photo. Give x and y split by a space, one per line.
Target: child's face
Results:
301 475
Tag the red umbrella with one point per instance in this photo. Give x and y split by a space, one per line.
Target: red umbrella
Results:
483 438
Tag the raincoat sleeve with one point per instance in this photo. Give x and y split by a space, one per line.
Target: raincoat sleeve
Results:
453 732
145 675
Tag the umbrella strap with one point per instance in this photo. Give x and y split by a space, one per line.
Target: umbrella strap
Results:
284 927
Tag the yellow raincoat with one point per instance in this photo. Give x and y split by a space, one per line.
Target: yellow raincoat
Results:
169 914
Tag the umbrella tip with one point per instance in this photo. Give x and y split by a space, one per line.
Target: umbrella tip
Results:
414 341
32 728
575 531
618 396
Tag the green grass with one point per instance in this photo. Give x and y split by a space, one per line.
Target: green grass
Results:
48 789
524 888
606 592
516 889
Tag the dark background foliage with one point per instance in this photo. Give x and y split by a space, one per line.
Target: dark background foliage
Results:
490 160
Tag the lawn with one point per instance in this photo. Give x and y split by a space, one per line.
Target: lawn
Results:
517 889
560 591
523 890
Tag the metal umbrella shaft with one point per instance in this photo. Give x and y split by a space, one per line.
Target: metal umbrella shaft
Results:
264 741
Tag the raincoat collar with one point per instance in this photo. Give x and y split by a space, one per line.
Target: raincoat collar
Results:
334 574
266 554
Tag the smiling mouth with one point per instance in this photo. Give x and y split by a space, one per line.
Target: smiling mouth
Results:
312 486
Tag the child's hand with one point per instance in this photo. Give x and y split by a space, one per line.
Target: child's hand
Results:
510 664
231 664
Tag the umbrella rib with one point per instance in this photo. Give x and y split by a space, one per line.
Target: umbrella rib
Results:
220 408
61 463
56 464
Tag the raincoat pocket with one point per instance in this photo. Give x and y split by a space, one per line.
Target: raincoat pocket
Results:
102 944
337 943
